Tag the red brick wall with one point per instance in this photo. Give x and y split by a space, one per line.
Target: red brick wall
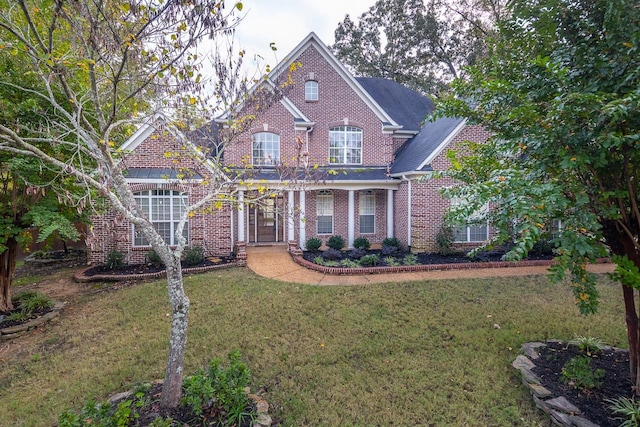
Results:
429 206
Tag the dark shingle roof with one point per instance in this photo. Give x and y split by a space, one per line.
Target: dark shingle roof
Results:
416 150
155 173
337 173
407 107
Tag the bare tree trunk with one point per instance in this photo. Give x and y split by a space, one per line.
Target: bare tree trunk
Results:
7 268
172 387
631 314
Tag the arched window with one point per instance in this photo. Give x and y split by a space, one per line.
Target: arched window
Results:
311 90
164 209
345 145
266 149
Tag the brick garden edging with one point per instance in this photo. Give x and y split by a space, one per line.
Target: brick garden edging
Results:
561 411
79 276
15 331
423 267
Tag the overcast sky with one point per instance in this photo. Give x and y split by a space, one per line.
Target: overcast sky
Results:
287 22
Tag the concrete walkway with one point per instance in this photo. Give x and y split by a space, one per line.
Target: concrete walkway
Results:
275 263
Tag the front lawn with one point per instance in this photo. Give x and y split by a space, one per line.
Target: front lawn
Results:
419 353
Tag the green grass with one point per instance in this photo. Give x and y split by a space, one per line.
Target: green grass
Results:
419 353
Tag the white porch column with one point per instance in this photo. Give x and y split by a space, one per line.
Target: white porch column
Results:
302 232
390 219
241 216
351 220
290 213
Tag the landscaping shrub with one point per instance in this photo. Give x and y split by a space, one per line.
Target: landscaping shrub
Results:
335 242
391 261
313 244
444 241
388 250
629 409
350 263
332 255
357 253
114 260
370 260
193 255
361 243
578 373
391 241
410 259
29 301
153 258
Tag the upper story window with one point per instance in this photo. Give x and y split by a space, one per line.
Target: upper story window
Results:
164 209
345 145
266 149
311 90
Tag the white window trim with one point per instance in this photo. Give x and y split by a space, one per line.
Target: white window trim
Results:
366 195
174 196
311 95
325 194
343 131
254 161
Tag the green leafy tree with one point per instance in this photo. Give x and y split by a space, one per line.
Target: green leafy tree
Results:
27 200
103 68
423 45
560 91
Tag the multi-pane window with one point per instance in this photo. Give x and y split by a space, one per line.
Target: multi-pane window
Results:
311 90
324 212
266 149
476 229
164 209
345 145
367 208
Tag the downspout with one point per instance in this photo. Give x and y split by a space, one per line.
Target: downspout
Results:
404 178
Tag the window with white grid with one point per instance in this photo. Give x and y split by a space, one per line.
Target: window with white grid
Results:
311 90
345 145
324 212
164 209
367 208
266 149
475 230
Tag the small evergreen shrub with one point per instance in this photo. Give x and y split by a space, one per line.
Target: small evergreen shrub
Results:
193 255
361 243
114 260
391 241
370 260
444 241
578 373
335 242
153 258
332 255
313 244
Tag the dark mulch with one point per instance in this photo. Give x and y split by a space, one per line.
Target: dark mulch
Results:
151 268
592 403
33 315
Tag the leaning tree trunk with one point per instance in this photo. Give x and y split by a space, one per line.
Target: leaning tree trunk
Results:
631 315
172 387
7 268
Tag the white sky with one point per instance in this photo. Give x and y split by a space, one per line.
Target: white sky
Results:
287 22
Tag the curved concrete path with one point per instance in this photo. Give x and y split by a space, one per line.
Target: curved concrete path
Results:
275 262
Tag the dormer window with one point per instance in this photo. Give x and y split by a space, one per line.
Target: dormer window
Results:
266 149
311 90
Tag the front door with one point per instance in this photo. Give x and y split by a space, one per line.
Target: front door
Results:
266 221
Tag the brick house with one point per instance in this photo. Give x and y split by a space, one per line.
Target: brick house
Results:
368 134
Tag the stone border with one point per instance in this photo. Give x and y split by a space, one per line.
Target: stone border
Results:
344 271
263 419
561 412
79 276
15 331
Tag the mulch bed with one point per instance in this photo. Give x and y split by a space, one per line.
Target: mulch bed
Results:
593 403
101 270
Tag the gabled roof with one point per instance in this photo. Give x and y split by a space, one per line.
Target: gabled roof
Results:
417 153
406 106
313 40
